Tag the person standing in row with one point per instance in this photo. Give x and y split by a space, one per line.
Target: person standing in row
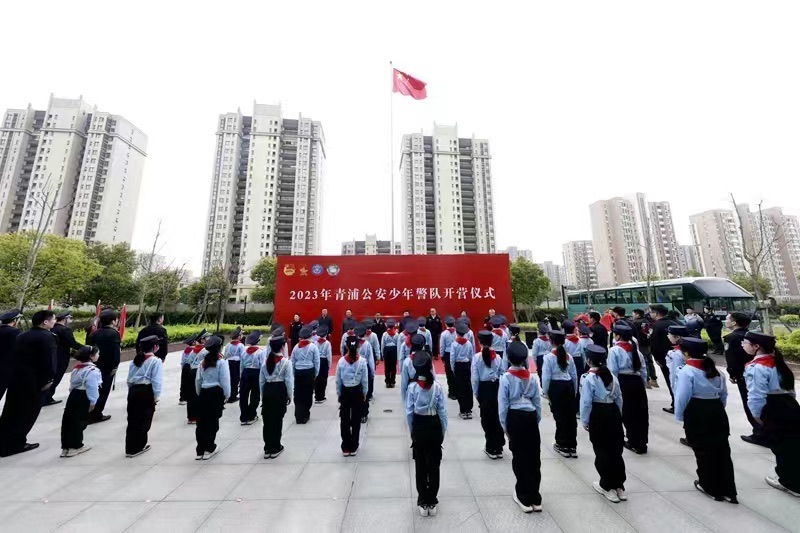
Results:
541 347
374 342
560 385
350 325
642 326
378 326
487 369
33 370
66 343
365 352
660 346
422 330
713 327
404 341
144 390
572 344
305 361
192 363
352 385
8 338
109 343
84 389
324 320
499 335
771 399
465 320
520 412
251 362
156 327
433 323
628 367
461 354
233 355
407 372
325 364
213 388
736 359
675 334
601 416
599 331
276 381
426 414
389 351
700 399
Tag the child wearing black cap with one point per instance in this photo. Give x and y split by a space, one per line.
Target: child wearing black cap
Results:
276 381
541 346
499 334
190 362
629 367
487 368
407 373
305 360
422 330
144 391
213 387
365 352
674 359
389 341
771 399
426 413
560 386
520 412
352 385
701 395
252 359
601 416
84 389
325 363
233 355
461 354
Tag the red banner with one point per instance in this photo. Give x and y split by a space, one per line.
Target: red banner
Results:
390 285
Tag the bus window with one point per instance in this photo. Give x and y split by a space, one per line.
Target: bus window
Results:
574 299
599 298
661 296
640 296
624 296
674 294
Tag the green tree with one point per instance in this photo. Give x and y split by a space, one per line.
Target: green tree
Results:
744 280
692 273
62 269
161 287
264 273
114 285
209 292
529 285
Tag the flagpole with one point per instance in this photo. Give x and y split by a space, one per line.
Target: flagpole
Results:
391 147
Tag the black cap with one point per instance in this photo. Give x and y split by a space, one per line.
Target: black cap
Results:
421 321
557 333
517 353
595 353
85 351
762 339
680 331
64 314
417 340
462 328
583 329
108 313
253 338
514 329
696 348
660 309
390 322
622 328
213 342
567 324
305 332
203 334
464 319
360 330
543 328
237 332
485 337
421 359
276 344
10 315
149 339
314 324
410 327
191 339
278 332
322 331
496 321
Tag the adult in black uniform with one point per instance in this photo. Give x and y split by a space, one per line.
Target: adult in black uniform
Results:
660 345
34 357
8 336
155 327
736 358
599 331
325 320
108 342
378 326
433 323
294 329
714 328
642 326
66 342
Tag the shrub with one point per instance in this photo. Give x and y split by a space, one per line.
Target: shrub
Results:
790 319
176 333
789 350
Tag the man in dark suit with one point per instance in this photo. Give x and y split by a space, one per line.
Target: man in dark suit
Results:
348 319
8 338
599 331
378 326
108 341
325 320
66 342
660 345
433 323
34 358
156 327
736 359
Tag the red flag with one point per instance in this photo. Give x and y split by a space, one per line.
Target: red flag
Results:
96 320
407 85
123 317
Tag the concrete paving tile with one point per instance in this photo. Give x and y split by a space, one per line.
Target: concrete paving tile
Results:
382 480
311 515
174 517
501 514
32 484
452 514
41 517
154 485
584 468
384 449
580 513
268 481
452 480
385 515
658 474
488 478
778 507
660 515
324 480
243 517
106 517
211 482
722 516
94 486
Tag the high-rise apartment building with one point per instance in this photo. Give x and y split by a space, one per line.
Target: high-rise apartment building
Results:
70 170
580 264
657 235
689 258
618 250
715 234
447 193
265 192
557 274
515 253
771 237
371 246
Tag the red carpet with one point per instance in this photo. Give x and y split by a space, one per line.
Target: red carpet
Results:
437 365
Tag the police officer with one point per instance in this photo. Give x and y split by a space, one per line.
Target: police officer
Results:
8 336
714 329
433 323
660 345
34 357
379 326
155 327
108 341
66 343
736 359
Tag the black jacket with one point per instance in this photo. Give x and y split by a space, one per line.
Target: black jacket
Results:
345 322
163 338
599 335
434 324
659 342
8 337
642 326
735 356
35 356
108 342
294 332
326 321
712 322
66 341
378 328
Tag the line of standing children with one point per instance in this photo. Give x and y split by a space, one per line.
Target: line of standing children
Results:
674 362
446 341
144 390
276 381
365 351
629 367
84 390
190 362
352 385
487 369
560 386
251 361
541 347
213 388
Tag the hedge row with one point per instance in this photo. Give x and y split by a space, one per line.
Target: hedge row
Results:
177 333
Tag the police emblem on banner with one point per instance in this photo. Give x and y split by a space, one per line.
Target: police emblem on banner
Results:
317 270
333 270
288 270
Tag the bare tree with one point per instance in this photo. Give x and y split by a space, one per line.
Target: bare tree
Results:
46 200
146 274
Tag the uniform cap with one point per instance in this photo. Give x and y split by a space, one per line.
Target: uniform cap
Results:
449 320
464 319
517 353
237 332
194 338
11 315
485 337
557 333
108 313
417 340
622 328
496 321
762 339
567 324
421 359
213 342
583 329
543 328
149 339
322 331
349 323
390 322
253 338
305 332
410 327
695 347
276 343
64 314
421 321
595 353
314 324
680 331
275 326
278 332
462 328
360 330
514 329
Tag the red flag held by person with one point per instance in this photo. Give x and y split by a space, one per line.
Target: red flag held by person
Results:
408 85
123 317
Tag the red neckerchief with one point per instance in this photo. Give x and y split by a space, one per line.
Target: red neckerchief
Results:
251 349
392 332
491 352
83 365
498 331
451 330
767 360
219 358
198 348
277 357
461 340
573 338
303 343
584 336
625 345
187 350
521 373
697 363
236 342
424 383
322 340
544 338
349 360
350 333
676 347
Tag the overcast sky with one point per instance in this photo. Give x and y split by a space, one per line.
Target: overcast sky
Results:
685 101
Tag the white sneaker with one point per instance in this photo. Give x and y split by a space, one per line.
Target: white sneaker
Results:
423 510
775 483
537 508
137 454
82 449
432 510
64 452
253 421
621 495
209 455
525 508
609 494
181 403
199 457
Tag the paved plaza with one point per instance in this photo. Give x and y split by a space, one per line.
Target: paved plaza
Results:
311 487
